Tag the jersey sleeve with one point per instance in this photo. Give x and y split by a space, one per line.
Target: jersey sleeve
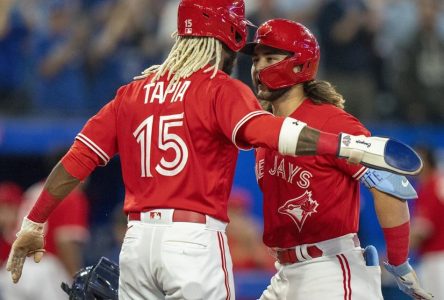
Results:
348 124
235 104
100 132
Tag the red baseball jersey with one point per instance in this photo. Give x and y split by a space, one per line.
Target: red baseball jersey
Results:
309 199
430 208
177 144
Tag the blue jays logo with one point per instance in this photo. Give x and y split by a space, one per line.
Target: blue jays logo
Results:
298 209
346 140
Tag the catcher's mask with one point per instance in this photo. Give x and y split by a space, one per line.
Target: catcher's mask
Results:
99 282
295 38
222 19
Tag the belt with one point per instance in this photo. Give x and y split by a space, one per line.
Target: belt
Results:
291 256
179 215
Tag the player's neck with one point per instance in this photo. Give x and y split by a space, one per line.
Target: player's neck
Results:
288 103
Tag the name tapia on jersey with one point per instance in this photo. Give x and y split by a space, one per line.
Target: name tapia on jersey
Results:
285 170
160 91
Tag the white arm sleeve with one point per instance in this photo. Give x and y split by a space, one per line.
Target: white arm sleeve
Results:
289 136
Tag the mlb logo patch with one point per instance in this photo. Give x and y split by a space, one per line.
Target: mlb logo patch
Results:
155 215
346 140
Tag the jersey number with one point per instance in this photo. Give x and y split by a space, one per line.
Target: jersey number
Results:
167 140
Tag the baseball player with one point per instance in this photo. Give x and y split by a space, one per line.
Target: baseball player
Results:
311 203
427 234
177 129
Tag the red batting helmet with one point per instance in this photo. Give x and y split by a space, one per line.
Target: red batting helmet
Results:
292 37
221 19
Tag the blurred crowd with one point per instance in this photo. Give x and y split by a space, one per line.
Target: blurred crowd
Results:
68 57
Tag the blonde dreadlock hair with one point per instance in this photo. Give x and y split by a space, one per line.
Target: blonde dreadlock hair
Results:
188 55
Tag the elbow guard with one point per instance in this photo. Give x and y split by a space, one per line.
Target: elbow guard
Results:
389 183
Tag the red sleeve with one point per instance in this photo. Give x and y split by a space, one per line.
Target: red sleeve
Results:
235 104
80 160
262 131
100 132
348 124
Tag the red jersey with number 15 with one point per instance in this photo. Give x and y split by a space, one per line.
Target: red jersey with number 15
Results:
176 144
311 198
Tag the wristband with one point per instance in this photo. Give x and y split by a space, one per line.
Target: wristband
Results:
44 206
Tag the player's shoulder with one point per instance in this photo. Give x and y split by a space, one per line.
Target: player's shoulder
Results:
326 109
133 87
335 119
224 81
137 82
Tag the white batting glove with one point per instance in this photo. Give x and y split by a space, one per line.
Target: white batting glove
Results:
408 281
380 153
29 242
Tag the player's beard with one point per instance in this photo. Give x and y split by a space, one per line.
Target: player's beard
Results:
267 94
229 60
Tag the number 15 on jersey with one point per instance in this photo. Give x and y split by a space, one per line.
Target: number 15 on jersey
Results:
165 141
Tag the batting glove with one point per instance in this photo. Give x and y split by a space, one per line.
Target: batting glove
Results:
29 242
408 281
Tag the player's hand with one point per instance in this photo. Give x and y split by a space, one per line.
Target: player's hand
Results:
29 242
408 281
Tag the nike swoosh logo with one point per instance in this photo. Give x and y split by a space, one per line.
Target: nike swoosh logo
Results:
405 182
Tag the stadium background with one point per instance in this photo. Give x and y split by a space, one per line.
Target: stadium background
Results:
60 60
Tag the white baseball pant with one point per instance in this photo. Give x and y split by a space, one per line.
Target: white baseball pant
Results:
165 260
339 274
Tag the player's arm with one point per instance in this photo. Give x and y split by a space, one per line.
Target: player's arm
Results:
288 136
94 146
394 218
292 137
75 166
